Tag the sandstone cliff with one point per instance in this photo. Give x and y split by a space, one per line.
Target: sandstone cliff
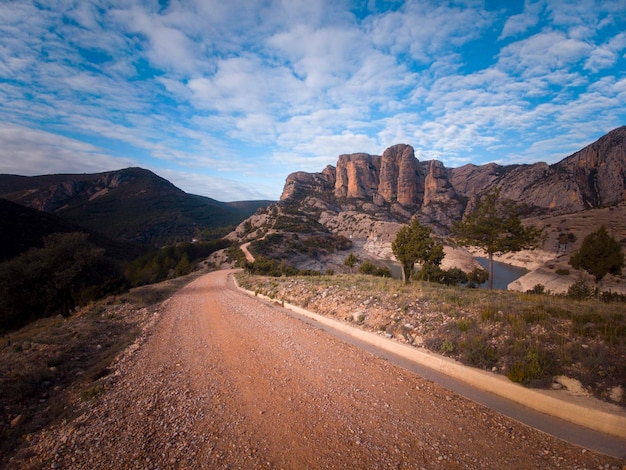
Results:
593 177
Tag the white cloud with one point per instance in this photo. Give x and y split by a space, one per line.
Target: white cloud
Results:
520 23
425 30
220 189
31 152
542 54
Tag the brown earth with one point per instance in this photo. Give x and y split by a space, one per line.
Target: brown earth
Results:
225 381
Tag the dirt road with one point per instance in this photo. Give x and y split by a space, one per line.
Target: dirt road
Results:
224 381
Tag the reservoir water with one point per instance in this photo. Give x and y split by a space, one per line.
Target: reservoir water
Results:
503 274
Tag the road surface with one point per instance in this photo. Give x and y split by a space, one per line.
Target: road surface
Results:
225 381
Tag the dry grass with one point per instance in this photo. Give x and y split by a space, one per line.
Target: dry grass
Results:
531 338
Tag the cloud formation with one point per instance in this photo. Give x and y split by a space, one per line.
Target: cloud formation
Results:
225 99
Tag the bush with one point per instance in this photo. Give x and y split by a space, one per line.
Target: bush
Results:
535 367
478 352
538 289
369 268
580 290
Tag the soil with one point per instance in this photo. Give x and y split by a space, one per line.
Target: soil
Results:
221 380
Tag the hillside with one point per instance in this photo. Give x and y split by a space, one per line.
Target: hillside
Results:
132 204
26 228
366 198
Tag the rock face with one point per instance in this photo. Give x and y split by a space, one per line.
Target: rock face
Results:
357 175
301 184
593 177
399 176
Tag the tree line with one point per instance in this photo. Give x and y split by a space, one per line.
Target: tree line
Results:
69 271
495 226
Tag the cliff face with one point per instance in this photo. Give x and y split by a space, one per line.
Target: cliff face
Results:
301 184
595 176
357 175
399 176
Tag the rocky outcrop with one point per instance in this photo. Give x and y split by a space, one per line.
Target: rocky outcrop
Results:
592 177
301 184
598 171
399 176
357 175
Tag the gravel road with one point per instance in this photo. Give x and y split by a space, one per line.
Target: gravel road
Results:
224 381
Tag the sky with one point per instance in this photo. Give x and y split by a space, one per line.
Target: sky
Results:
226 98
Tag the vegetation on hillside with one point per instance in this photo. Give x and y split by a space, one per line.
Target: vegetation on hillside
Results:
67 271
169 262
282 246
530 338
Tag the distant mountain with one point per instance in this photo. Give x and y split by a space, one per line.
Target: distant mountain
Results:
132 204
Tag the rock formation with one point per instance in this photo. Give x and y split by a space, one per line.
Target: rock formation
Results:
593 177
357 175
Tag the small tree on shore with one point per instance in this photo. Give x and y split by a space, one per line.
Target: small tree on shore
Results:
495 226
600 254
351 261
413 244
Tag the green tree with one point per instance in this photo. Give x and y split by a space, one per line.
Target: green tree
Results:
600 254
414 243
67 257
51 279
495 226
351 261
367 267
565 239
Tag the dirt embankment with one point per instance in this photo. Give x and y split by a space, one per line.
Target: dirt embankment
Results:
224 381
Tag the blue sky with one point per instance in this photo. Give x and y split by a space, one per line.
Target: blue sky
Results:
226 98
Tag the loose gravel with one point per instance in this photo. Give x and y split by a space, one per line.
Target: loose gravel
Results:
222 380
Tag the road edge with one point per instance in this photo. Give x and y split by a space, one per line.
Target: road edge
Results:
597 420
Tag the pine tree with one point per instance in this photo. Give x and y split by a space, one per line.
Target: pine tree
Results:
414 243
599 255
495 226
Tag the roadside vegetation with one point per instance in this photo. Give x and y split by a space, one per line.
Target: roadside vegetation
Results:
69 271
48 366
529 337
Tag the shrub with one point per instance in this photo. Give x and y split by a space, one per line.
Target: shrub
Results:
580 290
463 325
369 268
534 368
489 313
478 352
538 289
447 346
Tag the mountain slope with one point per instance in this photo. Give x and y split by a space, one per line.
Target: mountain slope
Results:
131 204
25 228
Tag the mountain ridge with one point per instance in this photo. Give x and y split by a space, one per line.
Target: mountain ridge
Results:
131 204
592 177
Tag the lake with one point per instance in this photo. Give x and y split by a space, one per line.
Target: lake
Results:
504 273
